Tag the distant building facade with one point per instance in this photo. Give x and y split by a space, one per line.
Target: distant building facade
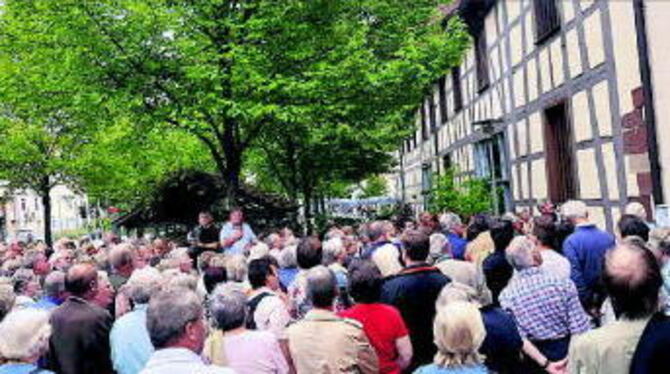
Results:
22 213
556 99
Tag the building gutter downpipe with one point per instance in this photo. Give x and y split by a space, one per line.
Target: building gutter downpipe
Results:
648 93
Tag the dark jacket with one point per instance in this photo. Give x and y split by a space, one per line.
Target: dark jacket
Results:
651 353
585 249
497 272
414 291
79 342
502 344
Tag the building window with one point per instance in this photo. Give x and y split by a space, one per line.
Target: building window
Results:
491 165
482 64
547 19
426 184
456 88
559 156
431 114
443 99
446 161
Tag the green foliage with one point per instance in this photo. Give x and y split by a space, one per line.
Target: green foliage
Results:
374 186
465 197
311 94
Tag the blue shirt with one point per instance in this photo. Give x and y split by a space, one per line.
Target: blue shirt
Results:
47 303
458 245
21 368
130 342
434 369
287 275
239 246
585 249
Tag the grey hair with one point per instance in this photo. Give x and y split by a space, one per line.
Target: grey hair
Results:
288 257
228 306
54 283
121 255
30 257
21 278
519 253
143 283
183 280
332 249
449 221
455 291
574 209
24 333
236 268
7 299
168 313
321 286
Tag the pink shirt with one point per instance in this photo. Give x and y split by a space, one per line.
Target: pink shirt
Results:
255 352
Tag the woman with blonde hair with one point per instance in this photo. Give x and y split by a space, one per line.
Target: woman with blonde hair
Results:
459 332
24 337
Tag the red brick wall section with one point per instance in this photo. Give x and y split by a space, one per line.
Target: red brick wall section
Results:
634 130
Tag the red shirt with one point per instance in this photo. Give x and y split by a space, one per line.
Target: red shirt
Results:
383 325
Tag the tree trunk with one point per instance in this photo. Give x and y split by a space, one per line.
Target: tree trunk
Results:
232 179
45 189
307 203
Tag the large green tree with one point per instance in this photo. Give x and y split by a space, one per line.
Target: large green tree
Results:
42 130
227 71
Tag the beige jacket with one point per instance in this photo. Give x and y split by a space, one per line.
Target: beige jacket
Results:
324 343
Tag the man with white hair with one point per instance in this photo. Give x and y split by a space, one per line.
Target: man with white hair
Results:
585 249
177 328
381 251
121 260
546 308
54 291
129 338
452 228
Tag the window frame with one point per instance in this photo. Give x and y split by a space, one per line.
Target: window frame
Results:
548 23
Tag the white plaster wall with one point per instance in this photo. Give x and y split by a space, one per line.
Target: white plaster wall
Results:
658 32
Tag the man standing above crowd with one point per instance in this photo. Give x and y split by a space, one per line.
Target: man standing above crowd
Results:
585 249
205 237
413 292
236 236
80 339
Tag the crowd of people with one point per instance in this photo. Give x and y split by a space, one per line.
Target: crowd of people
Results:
522 293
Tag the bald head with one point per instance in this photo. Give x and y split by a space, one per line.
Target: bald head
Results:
632 279
81 280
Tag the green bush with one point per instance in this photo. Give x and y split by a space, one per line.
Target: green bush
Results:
465 197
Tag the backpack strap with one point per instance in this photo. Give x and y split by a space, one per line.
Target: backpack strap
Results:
251 309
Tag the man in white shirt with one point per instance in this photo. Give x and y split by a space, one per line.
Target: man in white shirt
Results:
177 329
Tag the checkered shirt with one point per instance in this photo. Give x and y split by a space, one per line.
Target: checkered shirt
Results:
544 306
